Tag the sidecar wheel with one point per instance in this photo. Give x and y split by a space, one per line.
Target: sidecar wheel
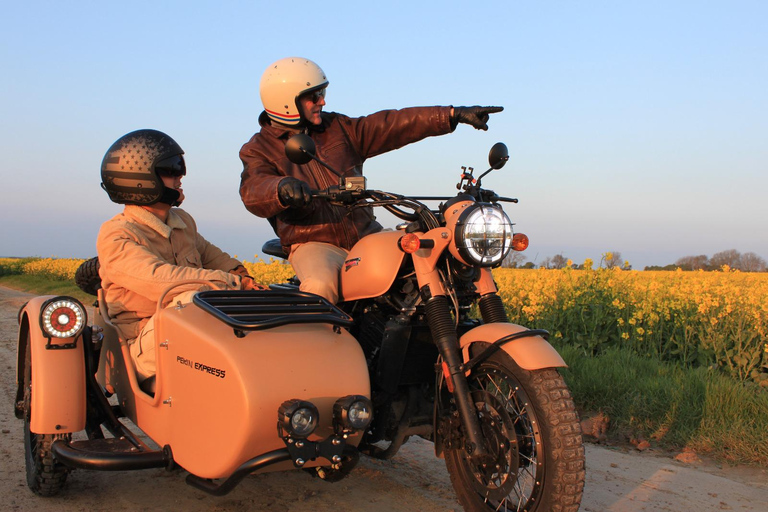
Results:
87 276
535 454
45 475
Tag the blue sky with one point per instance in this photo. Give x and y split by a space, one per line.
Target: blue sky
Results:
639 127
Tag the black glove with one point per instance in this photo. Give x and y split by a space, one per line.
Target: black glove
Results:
475 116
294 193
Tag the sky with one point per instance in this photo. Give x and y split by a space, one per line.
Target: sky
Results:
633 127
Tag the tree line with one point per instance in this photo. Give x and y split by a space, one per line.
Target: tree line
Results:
746 262
733 259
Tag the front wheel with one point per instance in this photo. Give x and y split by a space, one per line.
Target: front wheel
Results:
45 475
535 458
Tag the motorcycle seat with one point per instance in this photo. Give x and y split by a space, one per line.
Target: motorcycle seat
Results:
274 248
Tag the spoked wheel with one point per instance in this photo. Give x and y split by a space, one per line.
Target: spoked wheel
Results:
535 457
45 475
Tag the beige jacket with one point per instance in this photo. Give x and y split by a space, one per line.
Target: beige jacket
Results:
140 256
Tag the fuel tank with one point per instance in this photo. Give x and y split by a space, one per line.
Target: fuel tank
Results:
371 266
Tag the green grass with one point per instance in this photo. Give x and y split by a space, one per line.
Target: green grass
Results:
666 404
671 406
40 285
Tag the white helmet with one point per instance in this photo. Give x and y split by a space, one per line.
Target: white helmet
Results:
282 84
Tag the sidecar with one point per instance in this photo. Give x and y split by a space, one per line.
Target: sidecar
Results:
247 381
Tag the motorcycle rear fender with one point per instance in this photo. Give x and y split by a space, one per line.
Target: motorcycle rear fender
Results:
58 376
530 352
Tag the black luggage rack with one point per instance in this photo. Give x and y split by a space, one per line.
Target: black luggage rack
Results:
263 309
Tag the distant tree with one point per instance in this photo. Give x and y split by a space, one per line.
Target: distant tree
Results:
665 267
731 257
751 262
514 259
611 259
529 264
700 262
559 261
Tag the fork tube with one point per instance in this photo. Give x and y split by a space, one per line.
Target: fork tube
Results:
444 334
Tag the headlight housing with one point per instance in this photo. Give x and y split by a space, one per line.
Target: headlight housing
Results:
352 413
483 235
62 317
298 418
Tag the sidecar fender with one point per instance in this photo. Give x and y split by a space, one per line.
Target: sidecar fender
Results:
58 376
530 352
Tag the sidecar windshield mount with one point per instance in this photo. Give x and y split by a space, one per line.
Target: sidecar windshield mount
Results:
263 309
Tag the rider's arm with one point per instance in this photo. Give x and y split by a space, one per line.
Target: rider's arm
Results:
392 129
127 261
211 257
260 179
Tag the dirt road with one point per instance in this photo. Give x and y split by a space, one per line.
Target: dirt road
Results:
414 481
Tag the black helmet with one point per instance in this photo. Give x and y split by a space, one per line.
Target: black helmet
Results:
129 171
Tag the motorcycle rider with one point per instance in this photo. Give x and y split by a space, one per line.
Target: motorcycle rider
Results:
316 235
151 244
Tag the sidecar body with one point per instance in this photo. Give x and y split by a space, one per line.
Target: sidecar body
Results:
230 365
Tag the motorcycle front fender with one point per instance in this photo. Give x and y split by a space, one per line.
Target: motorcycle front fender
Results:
529 352
58 376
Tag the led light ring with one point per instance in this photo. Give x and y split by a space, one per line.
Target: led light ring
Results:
63 317
468 218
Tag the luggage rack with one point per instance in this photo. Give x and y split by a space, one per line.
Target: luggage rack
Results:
263 309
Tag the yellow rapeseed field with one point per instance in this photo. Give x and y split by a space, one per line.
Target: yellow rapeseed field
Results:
714 319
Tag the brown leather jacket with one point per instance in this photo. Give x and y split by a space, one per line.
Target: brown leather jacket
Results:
342 142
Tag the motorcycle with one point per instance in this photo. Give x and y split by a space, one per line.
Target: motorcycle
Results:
419 345
486 391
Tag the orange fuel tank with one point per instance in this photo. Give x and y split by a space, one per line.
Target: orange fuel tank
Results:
371 266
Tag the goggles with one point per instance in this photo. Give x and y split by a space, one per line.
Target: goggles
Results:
172 166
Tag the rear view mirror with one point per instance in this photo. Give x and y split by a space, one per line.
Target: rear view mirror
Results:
300 149
498 155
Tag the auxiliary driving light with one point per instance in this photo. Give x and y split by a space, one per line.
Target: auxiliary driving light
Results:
353 412
62 317
298 417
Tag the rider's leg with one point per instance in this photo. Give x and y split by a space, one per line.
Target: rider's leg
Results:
317 265
143 347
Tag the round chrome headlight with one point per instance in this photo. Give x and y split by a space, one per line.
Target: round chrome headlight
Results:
483 235
298 417
62 317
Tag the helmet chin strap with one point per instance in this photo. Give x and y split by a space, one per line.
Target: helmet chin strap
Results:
170 196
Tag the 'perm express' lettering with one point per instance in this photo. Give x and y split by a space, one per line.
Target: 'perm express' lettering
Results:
216 372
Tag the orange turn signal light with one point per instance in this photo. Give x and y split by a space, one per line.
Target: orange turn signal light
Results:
519 242
410 243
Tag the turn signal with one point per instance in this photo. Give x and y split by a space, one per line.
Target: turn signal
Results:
410 243
519 242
